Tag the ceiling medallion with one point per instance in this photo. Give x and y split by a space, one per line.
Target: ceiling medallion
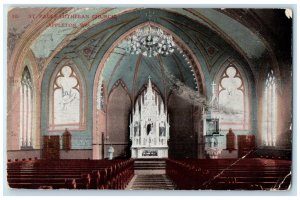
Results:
150 41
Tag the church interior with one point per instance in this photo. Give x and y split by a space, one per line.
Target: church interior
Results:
149 98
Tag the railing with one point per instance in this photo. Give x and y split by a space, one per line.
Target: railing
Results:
138 141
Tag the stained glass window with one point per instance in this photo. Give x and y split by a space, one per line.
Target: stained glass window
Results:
26 99
232 100
269 110
66 100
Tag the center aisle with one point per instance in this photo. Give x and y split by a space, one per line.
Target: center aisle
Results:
151 182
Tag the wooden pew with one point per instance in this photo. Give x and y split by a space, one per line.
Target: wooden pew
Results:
228 174
86 173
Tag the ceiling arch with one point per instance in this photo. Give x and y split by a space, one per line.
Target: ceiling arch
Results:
253 46
213 19
134 69
206 48
97 48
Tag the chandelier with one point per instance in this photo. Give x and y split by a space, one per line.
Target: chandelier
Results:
150 41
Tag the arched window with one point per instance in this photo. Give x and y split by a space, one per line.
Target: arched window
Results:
26 103
269 110
232 100
66 102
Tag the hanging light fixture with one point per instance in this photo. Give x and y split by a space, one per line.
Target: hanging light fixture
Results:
150 41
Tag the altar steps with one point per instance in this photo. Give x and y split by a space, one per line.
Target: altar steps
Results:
151 182
149 166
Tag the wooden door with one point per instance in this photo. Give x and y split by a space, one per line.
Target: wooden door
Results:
51 147
246 143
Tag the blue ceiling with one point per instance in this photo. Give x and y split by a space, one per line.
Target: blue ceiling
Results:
208 46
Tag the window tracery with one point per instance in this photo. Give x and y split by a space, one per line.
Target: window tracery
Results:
269 110
232 100
26 104
66 100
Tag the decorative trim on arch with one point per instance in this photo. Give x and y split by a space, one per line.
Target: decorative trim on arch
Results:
232 62
117 83
191 59
101 96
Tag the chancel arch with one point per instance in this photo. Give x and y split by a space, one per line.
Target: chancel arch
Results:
134 70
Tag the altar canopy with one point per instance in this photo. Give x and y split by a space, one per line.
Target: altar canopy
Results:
149 127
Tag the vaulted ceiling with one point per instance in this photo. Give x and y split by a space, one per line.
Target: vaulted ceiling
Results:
209 33
252 45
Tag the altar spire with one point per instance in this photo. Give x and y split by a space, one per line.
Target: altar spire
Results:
149 86
149 128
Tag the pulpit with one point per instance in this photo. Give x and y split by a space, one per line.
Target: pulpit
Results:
213 145
149 127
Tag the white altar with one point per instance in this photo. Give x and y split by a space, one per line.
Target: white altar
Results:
149 127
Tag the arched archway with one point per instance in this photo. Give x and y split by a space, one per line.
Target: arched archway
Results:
118 109
188 56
